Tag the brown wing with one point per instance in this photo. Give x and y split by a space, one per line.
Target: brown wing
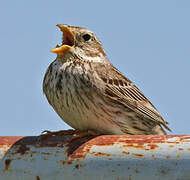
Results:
122 90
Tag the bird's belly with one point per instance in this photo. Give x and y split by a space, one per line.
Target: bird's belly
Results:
85 111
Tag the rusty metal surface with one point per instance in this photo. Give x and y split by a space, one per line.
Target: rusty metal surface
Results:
6 142
104 157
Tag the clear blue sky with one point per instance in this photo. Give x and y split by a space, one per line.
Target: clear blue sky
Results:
149 41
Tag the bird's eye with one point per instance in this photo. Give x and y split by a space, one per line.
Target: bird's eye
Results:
86 37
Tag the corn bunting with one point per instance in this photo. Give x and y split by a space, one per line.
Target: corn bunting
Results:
90 94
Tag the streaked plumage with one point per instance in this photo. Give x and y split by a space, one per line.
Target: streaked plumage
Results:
89 93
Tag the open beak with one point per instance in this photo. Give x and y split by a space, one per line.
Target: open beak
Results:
68 40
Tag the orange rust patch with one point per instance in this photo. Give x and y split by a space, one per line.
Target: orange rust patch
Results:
167 157
7 163
9 140
77 148
152 146
101 154
69 162
80 152
134 141
138 155
124 152
183 137
138 146
144 139
83 146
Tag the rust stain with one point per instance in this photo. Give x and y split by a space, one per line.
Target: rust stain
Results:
138 155
76 148
69 162
175 142
137 171
144 139
7 163
124 152
79 149
39 142
168 157
101 154
180 149
37 178
80 152
153 146
63 162
138 146
183 137
77 166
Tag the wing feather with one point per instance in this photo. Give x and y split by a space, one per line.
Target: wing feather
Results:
122 90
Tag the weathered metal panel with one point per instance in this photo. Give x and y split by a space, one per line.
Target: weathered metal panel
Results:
104 157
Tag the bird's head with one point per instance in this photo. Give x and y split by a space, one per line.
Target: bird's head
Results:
79 42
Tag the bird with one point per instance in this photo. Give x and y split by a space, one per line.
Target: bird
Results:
93 96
